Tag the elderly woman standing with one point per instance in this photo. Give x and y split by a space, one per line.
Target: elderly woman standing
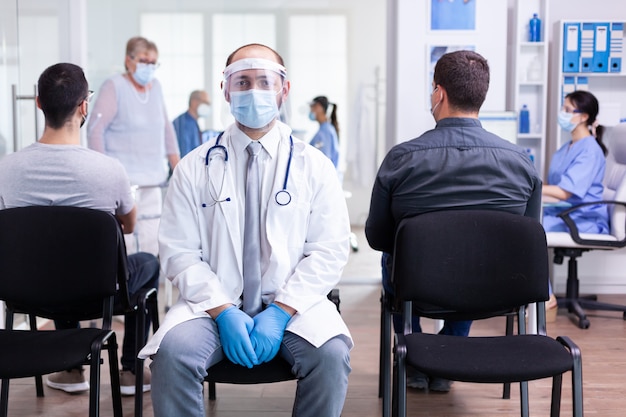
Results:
129 122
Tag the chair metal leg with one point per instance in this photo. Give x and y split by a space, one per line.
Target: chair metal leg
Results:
114 373
140 324
523 389
399 387
94 380
212 391
147 309
555 406
506 389
577 382
385 366
32 319
381 361
4 398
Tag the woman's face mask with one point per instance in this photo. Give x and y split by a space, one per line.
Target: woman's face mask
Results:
565 120
144 73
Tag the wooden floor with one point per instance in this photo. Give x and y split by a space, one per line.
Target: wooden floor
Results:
604 369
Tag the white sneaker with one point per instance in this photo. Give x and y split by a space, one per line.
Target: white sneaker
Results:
127 381
68 381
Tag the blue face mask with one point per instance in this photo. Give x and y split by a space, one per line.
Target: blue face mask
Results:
144 73
565 121
254 108
312 116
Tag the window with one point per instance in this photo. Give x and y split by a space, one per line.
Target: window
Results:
180 40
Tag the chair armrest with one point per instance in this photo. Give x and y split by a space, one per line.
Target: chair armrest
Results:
573 229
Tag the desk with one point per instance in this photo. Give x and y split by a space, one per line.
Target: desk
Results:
547 201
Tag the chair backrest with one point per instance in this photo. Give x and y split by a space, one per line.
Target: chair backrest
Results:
470 262
615 178
59 262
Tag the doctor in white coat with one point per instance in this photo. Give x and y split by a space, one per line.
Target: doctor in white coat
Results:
304 246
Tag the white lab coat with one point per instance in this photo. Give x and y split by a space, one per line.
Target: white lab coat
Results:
200 243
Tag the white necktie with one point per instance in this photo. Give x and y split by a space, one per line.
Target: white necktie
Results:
252 235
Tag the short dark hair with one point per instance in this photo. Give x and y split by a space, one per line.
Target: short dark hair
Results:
465 77
279 58
61 88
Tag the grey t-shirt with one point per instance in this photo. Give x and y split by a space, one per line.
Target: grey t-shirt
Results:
64 175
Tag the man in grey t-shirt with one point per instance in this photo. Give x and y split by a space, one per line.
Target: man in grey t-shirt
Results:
58 171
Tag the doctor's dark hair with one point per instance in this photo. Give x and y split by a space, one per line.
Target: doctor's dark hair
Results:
465 77
61 89
587 103
323 101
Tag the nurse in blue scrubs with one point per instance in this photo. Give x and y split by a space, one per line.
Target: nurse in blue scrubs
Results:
577 168
327 137
576 173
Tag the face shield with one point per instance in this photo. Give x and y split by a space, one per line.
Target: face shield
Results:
253 86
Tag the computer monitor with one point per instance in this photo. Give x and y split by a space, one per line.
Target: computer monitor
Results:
501 123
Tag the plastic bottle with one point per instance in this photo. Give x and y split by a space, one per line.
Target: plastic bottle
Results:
524 120
534 27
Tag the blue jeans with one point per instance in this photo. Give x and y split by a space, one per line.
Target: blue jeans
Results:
190 348
143 272
450 327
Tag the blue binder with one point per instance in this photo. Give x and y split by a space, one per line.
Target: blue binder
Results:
587 46
571 47
582 83
617 46
601 47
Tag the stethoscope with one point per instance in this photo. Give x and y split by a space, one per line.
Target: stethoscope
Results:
282 197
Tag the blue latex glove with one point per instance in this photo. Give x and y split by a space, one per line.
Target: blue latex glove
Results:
234 326
269 328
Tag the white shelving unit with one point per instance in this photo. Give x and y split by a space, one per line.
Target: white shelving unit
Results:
608 87
529 77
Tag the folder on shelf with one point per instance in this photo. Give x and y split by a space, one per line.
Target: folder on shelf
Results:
617 47
601 47
569 86
586 46
571 47
582 83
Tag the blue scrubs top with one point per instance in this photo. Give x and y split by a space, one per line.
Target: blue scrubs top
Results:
579 169
326 141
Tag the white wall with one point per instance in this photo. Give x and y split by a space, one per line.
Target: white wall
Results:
411 72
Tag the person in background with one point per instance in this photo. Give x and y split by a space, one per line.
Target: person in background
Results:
254 234
458 165
56 170
186 125
576 172
129 122
327 137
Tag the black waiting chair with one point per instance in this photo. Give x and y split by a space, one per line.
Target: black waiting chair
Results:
59 263
390 307
276 370
144 303
474 264
573 244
